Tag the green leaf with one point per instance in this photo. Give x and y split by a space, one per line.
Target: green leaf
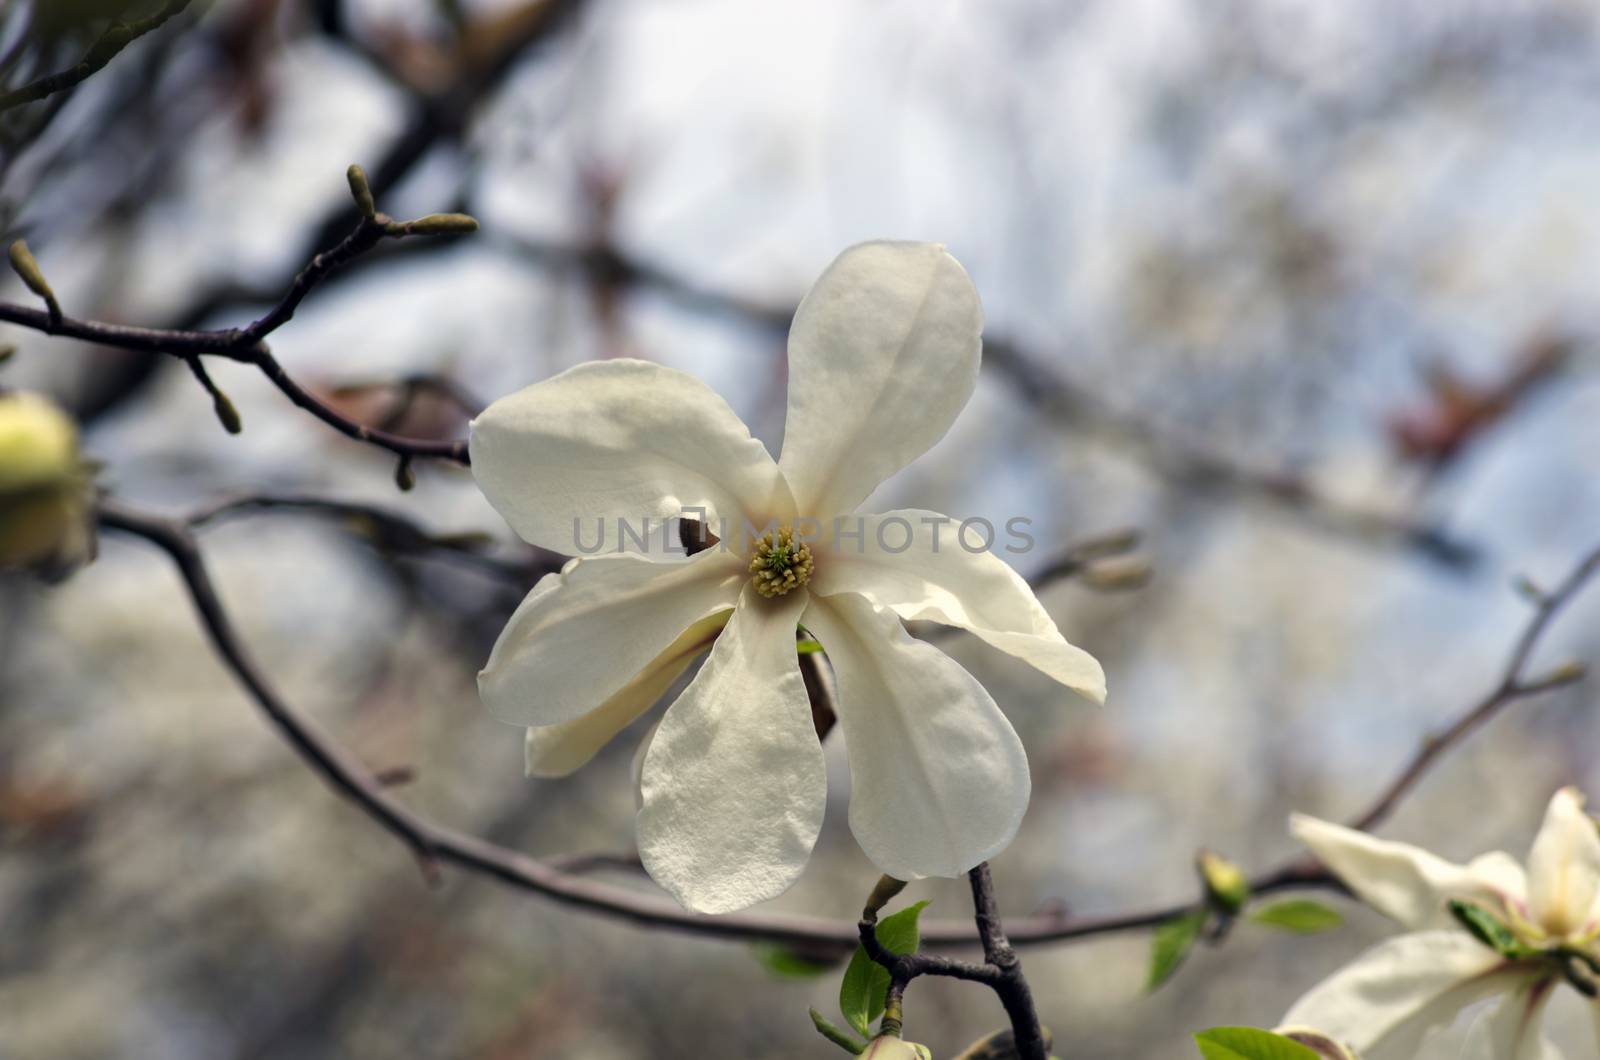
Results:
865 980
1248 1043
788 963
1171 944
1487 929
1299 915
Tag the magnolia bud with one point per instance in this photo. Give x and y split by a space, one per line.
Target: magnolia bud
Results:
441 224
891 1048
44 491
1225 882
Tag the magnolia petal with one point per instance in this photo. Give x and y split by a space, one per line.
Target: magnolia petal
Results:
558 750
733 784
636 766
1385 1002
1403 881
883 355
1564 867
939 778
567 460
935 578
1512 1029
581 636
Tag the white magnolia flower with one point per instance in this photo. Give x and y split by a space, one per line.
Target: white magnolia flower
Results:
1387 1001
883 354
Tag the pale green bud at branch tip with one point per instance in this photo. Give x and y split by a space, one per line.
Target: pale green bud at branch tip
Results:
226 413
1566 673
27 267
45 523
1225 882
436 224
1117 575
361 191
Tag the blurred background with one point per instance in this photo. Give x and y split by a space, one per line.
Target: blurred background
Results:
1301 291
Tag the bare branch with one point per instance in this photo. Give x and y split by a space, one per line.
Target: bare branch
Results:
1001 970
434 844
116 37
247 345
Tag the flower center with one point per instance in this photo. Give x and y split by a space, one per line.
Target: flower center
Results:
779 563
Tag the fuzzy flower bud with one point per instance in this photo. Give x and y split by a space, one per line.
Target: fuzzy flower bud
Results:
891 1048
44 495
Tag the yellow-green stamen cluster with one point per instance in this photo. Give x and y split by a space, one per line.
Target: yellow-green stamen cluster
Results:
779 562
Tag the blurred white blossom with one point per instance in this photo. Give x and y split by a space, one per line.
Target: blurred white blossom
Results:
1487 929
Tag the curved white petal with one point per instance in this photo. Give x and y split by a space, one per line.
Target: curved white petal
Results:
1564 867
636 766
565 460
557 750
939 779
1406 882
1512 1029
733 784
935 578
1386 1001
580 636
883 354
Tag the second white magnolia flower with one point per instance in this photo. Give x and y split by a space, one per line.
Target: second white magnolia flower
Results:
1387 1001
883 354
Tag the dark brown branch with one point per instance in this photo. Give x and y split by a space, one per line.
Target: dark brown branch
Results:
1001 970
435 844
389 532
116 37
1011 985
247 345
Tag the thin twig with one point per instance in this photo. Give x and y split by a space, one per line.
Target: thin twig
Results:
435 844
388 530
1514 685
247 345
116 37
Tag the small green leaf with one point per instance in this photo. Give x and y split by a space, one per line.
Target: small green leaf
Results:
1299 915
1248 1043
1171 944
785 962
866 981
1487 928
808 647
